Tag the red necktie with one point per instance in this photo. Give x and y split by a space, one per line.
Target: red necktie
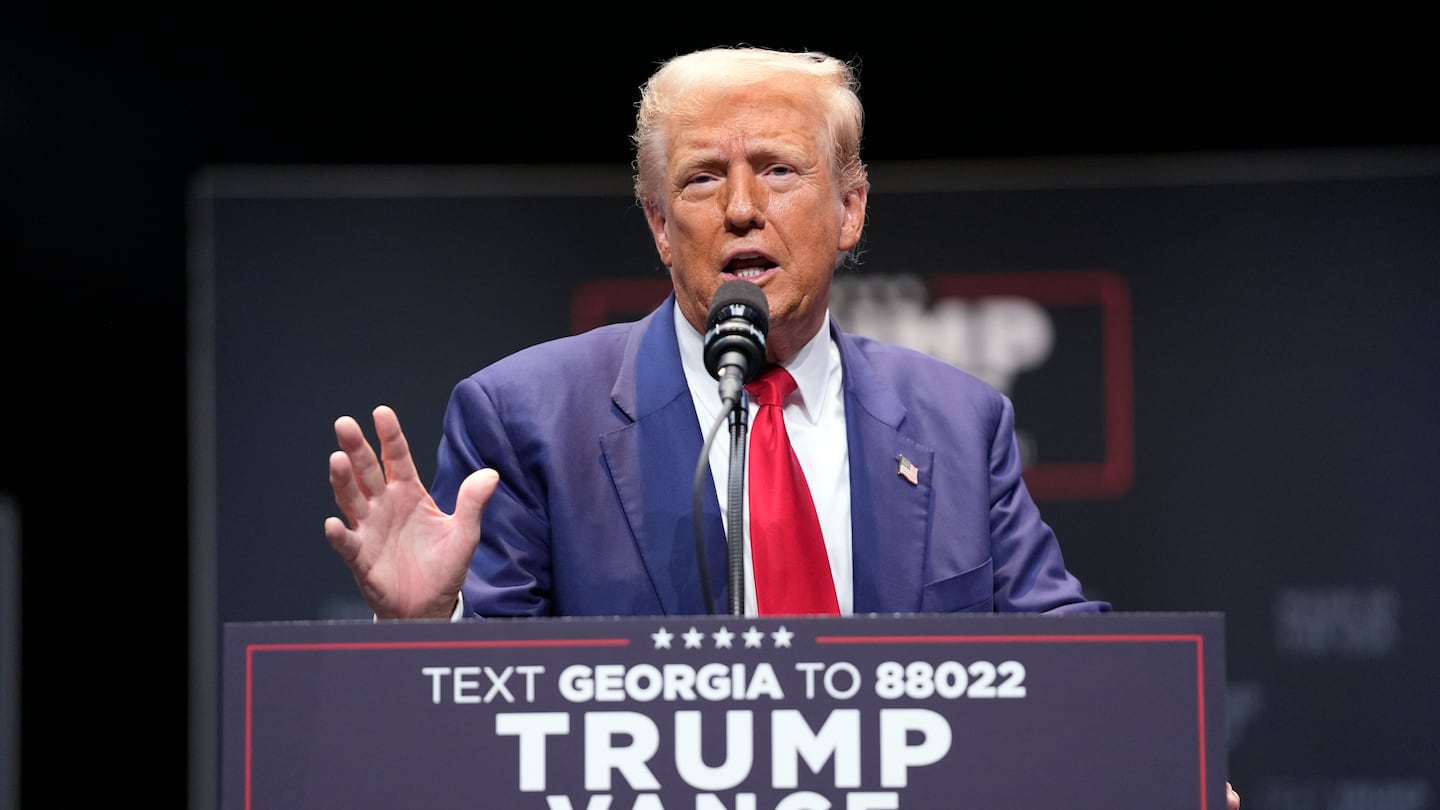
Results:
792 570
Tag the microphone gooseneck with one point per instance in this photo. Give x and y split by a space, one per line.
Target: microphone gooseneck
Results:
735 331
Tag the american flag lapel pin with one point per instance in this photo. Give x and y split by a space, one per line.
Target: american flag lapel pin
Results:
906 469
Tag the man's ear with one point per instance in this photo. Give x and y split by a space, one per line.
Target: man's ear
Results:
656 219
853 223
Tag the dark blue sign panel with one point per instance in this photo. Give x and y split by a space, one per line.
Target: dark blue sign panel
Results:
729 713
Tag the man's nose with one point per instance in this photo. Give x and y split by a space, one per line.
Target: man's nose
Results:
745 204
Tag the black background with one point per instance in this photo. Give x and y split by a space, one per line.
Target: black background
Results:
105 117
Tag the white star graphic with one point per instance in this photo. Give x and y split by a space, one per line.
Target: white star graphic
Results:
694 639
722 638
753 637
662 638
782 637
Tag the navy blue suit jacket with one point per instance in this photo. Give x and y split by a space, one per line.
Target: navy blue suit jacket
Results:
595 438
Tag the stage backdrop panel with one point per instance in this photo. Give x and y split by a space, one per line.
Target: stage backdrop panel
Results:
1224 369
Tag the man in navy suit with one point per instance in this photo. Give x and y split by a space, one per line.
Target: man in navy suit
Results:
580 452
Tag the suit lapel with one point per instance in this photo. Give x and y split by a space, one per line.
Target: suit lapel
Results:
652 465
889 516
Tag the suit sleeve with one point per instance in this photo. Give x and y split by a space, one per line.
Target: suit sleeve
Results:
1030 572
510 574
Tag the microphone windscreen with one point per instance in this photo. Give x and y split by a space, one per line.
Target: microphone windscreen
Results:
742 299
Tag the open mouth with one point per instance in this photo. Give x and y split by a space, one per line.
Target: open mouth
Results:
749 267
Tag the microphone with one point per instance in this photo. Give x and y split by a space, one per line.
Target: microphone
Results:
735 333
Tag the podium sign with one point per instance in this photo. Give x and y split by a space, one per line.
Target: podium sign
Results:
1124 710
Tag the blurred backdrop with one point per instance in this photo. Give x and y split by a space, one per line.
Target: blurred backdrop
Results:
1203 265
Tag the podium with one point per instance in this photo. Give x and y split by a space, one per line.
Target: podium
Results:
939 712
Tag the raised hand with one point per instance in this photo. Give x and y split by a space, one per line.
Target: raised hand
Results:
408 557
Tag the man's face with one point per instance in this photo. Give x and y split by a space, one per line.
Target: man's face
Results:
748 193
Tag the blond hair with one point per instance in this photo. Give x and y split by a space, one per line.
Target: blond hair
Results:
676 84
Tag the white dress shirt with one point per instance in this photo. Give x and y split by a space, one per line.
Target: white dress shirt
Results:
815 420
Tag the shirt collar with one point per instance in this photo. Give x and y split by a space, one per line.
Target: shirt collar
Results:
811 367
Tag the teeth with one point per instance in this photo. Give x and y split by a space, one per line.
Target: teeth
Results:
749 273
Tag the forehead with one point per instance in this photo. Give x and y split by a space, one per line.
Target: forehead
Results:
774 113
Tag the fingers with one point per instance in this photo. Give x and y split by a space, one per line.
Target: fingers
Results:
365 468
1232 798
339 537
394 449
348 495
